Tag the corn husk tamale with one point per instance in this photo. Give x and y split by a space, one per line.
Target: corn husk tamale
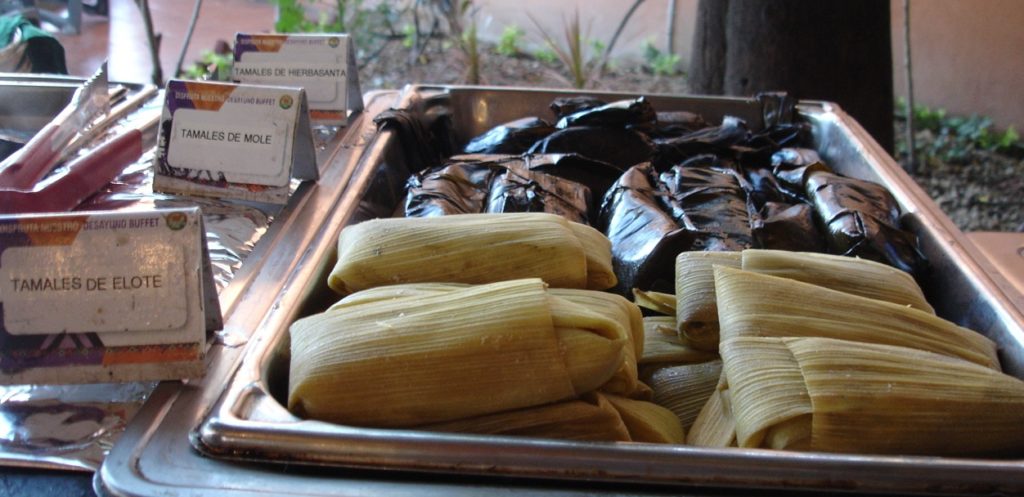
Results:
598 252
625 380
392 292
663 346
847 274
648 422
461 353
662 303
663 325
841 396
589 418
684 389
696 305
471 248
715 425
752 304
612 306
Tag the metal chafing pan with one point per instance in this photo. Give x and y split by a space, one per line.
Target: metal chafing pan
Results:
247 422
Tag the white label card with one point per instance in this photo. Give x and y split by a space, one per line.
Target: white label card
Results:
130 285
200 140
105 296
322 64
323 80
234 141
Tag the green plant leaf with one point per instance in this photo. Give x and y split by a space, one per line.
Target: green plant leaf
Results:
408 35
545 55
1009 138
290 16
508 44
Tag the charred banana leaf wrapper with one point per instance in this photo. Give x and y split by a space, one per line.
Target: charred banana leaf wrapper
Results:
596 175
616 133
514 137
782 226
732 140
562 107
678 123
792 166
707 199
637 113
669 183
454 188
419 144
862 219
645 238
488 184
617 146
716 140
761 186
781 221
699 205
522 190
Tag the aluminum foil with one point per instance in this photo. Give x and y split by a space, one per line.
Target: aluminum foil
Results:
232 227
65 426
73 427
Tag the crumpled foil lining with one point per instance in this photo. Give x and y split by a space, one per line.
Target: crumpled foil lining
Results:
73 427
232 227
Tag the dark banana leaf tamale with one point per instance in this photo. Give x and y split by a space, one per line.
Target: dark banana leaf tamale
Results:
761 187
781 136
513 137
650 218
757 149
620 114
717 140
596 175
784 226
620 147
522 190
456 188
475 184
677 123
645 239
705 197
565 106
792 166
862 219
419 146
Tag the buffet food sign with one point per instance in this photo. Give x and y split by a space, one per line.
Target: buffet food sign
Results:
234 141
322 64
104 296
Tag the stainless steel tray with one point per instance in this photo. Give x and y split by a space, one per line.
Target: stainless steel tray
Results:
248 423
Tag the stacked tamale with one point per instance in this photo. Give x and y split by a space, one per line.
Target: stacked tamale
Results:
479 323
837 354
680 376
495 324
472 248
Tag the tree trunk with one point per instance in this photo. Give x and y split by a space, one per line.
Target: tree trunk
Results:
836 51
707 65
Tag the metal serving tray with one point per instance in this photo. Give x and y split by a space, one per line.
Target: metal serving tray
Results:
238 418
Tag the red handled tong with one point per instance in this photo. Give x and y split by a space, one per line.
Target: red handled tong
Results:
22 170
80 178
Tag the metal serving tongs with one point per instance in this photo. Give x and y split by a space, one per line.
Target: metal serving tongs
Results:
87 173
22 170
